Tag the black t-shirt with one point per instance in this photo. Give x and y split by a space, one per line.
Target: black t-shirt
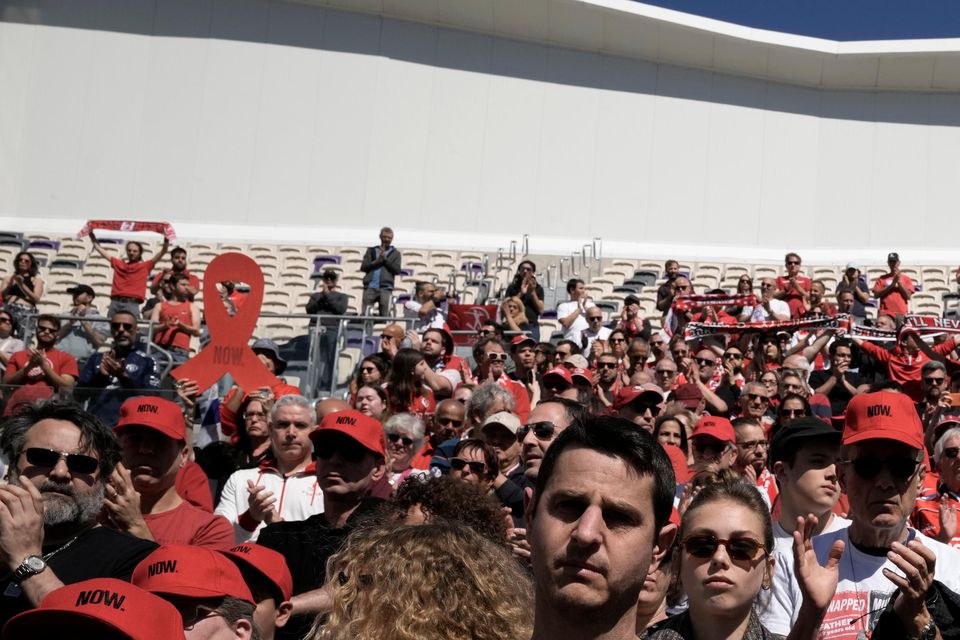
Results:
98 553
839 396
307 545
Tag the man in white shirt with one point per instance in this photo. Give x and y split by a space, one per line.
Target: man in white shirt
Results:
595 330
572 314
769 308
425 308
881 470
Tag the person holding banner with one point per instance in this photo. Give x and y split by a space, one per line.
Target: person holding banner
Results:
130 277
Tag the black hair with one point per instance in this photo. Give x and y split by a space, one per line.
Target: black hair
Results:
667 417
178 251
445 338
94 436
837 343
613 436
54 320
572 284
574 347
574 411
33 269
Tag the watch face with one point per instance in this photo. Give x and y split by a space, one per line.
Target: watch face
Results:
35 563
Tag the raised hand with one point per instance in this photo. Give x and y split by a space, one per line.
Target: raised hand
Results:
818 584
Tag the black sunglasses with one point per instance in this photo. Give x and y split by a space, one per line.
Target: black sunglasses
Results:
476 467
48 458
703 362
742 550
606 365
396 437
934 381
350 450
445 421
732 356
126 326
714 446
541 430
41 329
901 467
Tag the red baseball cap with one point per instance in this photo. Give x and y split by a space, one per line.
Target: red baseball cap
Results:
266 562
519 341
626 395
945 423
95 607
559 372
583 374
715 427
191 572
678 459
364 429
156 413
883 415
688 395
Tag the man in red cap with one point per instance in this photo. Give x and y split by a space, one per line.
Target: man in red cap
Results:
640 404
881 471
350 451
284 485
98 608
523 349
141 497
266 573
206 588
714 442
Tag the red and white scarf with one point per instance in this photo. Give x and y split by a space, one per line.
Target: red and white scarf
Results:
695 300
124 226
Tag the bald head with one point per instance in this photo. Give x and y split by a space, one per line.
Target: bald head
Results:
328 406
448 421
395 331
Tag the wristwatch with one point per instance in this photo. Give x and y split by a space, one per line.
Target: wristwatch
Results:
31 566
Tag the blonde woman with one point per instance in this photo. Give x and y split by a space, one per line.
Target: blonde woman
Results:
435 581
514 315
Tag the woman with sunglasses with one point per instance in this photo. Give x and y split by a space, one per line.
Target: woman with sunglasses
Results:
372 370
744 288
405 434
514 316
618 347
766 357
9 344
475 462
23 288
724 562
791 407
406 392
371 400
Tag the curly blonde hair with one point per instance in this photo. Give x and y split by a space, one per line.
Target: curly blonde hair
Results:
433 581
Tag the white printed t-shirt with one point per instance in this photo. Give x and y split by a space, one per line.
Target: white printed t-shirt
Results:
863 591
579 323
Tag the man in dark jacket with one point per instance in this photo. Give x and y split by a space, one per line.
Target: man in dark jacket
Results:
328 301
381 264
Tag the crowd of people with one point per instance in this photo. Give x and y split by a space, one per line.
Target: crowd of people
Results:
749 464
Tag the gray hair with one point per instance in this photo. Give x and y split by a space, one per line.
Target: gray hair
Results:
406 423
930 367
484 397
755 385
295 401
952 432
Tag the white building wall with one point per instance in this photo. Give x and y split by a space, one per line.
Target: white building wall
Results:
308 120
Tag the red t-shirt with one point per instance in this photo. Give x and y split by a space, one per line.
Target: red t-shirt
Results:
792 297
903 368
62 363
174 336
194 486
130 278
894 302
186 524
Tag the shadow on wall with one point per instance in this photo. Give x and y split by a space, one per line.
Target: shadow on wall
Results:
313 27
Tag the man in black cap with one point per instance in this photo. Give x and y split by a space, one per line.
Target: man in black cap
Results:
632 320
893 289
82 337
328 301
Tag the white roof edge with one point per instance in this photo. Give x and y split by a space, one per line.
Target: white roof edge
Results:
778 38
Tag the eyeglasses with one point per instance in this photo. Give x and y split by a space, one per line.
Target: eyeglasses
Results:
396 437
250 415
664 372
593 318
192 616
126 326
752 444
606 365
541 430
450 421
703 362
742 550
486 332
48 458
951 452
43 329
350 450
934 381
754 397
494 356
868 467
5 319
732 356
617 340
476 467
792 413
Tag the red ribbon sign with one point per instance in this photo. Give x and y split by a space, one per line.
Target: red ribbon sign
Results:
228 350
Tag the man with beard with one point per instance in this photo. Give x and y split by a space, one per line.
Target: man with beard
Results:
141 497
118 374
178 265
43 365
60 459
523 350
751 462
283 486
443 375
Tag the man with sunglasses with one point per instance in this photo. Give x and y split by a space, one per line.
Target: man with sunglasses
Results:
43 364
793 288
881 471
492 367
705 372
81 338
607 380
109 378
714 442
595 331
284 485
391 340
640 404
755 401
350 459
60 460
547 421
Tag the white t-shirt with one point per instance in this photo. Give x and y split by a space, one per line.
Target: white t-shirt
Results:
580 322
591 337
411 309
863 590
759 314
